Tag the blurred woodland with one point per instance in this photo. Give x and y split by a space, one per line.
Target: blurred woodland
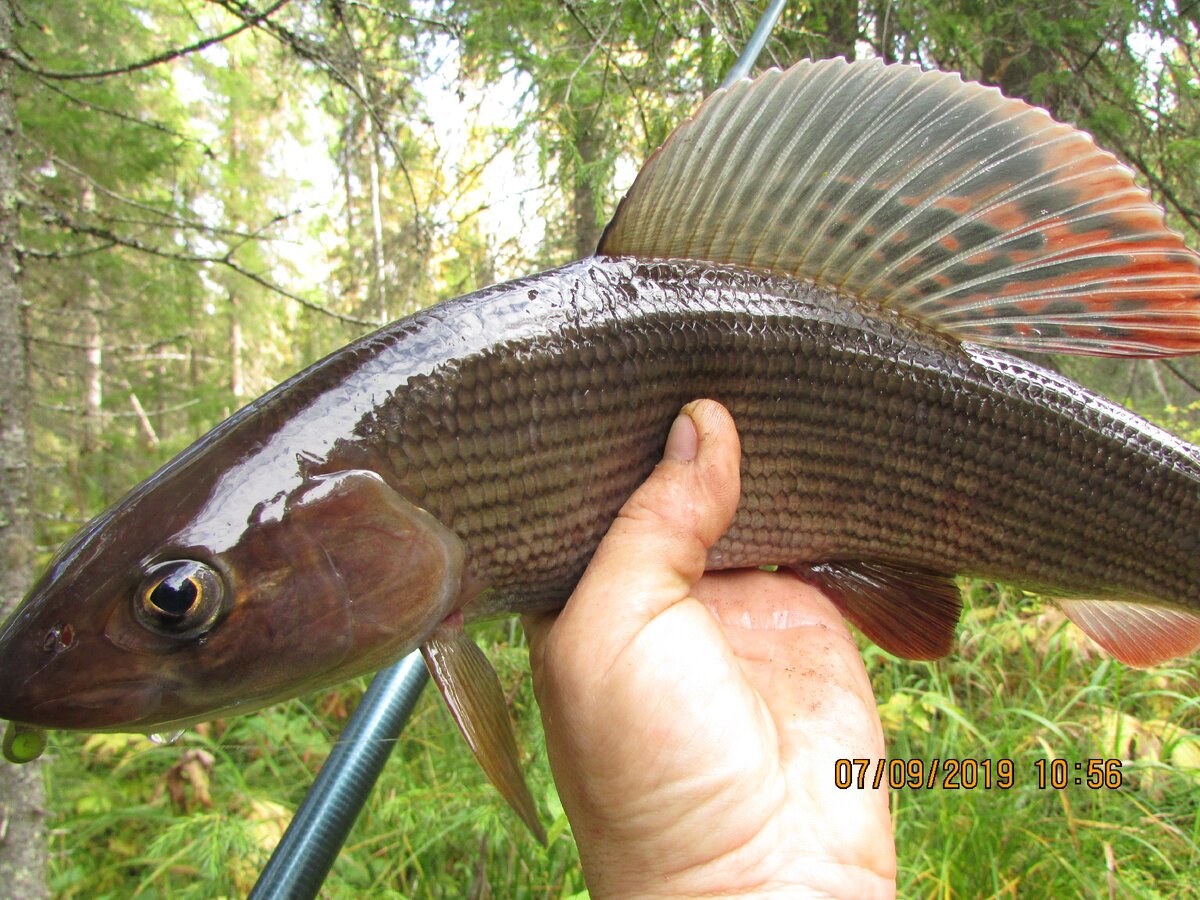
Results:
200 197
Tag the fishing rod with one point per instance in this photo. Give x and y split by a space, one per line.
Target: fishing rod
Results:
758 40
314 838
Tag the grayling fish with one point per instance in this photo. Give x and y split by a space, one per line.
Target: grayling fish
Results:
840 254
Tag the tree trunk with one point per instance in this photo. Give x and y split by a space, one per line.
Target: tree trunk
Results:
587 145
237 381
93 378
22 831
885 31
379 295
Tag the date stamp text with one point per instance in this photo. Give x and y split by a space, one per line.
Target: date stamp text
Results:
972 774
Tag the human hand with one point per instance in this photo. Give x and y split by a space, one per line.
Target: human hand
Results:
692 720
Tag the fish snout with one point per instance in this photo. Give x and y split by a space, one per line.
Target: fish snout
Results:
50 678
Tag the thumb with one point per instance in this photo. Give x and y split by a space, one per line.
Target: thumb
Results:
656 549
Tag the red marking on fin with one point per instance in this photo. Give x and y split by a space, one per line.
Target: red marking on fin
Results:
908 612
1138 634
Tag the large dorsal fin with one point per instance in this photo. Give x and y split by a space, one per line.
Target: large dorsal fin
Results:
943 200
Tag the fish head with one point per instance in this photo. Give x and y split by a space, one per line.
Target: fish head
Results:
218 587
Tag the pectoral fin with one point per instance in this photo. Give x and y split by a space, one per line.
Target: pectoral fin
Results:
472 691
1138 634
909 612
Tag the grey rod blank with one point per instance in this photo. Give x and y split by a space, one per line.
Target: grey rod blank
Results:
315 836
758 40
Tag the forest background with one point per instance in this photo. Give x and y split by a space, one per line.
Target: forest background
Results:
199 197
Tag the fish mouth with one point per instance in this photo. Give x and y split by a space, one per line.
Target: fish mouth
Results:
115 706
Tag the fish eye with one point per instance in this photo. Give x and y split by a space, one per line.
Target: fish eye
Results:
180 598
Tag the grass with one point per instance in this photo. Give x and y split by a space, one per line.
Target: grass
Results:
198 818
1027 687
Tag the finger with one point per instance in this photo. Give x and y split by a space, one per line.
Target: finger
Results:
656 549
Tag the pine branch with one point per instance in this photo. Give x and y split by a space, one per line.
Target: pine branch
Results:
1174 370
599 42
168 219
468 179
443 25
133 120
24 252
730 44
249 21
141 346
75 410
56 217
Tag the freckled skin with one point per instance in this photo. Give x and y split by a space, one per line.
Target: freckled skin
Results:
520 418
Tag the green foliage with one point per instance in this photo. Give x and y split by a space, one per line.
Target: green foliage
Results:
198 818
1025 686
611 81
